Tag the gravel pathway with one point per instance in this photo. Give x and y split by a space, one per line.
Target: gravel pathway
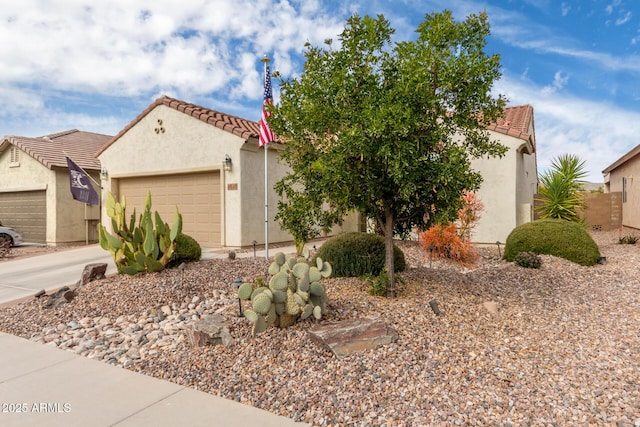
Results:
563 347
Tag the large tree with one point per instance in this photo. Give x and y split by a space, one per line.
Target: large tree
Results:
389 129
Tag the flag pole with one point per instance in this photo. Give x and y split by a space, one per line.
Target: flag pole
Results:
265 60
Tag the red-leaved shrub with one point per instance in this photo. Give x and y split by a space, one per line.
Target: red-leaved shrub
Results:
447 243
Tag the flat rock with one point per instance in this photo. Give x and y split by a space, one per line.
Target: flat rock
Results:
349 336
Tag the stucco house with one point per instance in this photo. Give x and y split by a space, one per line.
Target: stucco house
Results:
510 182
620 177
35 196
207 163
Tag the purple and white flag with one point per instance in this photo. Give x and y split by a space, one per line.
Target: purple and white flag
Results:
81 188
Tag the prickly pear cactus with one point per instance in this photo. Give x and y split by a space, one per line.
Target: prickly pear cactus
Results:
294 292
145 247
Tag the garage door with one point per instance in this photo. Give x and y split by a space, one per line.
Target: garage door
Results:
197 196
26 211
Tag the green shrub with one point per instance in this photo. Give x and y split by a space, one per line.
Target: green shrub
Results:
358 254
187 250
528 260
557 237
378 285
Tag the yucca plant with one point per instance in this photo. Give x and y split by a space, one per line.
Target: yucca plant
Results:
560 193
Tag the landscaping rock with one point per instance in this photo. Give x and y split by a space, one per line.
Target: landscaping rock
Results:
210 330
93 272
349 336
60 297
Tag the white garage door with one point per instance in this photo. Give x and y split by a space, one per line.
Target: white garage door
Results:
26 211
197 196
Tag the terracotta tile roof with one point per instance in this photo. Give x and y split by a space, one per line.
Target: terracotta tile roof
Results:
238 126
516 122
50 149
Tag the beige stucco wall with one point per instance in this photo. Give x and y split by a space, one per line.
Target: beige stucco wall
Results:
69 222
631 207
509 184
252 188
29 175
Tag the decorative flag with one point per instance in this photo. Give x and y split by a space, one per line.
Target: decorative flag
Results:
266 135
81 188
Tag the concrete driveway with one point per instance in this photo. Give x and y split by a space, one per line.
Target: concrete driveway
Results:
27 276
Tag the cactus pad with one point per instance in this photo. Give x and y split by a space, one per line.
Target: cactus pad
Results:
261 304
316 289
271 315
303 284
300 270
326 270
279 282
279 296
306 311
280 307
245 290
251 315
317 312
274 268
314 274
257 291
280 258
260 326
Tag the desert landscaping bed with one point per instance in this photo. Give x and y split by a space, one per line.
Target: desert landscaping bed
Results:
561 348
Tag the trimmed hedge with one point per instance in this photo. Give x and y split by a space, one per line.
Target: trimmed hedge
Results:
357 254
187 250
557 237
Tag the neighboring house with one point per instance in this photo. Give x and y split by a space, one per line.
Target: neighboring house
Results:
177 151
35 195
620 177
510 182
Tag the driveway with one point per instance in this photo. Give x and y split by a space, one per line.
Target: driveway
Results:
25 277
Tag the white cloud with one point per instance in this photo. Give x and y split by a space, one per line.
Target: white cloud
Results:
624 19
560 80
565 8
597 132
131 48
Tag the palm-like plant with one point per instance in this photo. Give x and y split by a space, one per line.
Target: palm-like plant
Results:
560 194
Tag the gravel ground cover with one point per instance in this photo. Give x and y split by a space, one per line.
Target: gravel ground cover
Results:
561 349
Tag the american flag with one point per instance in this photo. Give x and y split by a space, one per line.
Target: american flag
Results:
266 135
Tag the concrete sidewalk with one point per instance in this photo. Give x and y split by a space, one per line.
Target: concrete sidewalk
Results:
41 385
44 386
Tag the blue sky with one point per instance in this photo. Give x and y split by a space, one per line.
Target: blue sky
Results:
95 66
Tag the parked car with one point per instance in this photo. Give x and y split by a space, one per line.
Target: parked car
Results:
8 234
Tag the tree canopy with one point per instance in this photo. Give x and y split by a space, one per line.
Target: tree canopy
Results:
389 130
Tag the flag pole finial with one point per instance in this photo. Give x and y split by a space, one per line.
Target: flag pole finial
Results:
265 59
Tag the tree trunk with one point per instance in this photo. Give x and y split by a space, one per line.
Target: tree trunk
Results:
388 250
